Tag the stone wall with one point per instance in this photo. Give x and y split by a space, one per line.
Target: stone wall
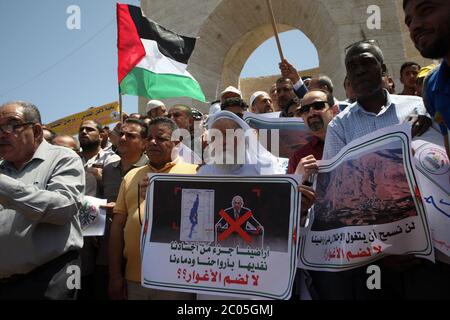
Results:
230 30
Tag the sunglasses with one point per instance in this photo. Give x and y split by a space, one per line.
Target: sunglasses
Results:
318 105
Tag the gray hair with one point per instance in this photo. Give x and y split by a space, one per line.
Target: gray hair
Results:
237 197
30 111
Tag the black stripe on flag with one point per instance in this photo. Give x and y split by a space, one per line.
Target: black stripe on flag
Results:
170 44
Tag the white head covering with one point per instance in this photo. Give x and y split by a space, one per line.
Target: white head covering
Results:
256 95
258 161
231 89
214 108
153 104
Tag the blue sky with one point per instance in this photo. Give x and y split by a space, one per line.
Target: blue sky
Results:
66 71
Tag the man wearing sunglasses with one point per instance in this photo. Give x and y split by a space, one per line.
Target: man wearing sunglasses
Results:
317 110
40 189
374 109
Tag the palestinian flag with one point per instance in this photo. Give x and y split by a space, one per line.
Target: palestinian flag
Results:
152 59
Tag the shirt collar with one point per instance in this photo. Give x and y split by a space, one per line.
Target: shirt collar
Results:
40 154
166 167
143 160
383 109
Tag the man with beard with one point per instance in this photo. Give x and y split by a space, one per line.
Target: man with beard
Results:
429 28
286 94
374 109
317 110
261 102
94 157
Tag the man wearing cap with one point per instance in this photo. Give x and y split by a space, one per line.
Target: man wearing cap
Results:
260 102
230 92
155 108
423 72
429 29
235 105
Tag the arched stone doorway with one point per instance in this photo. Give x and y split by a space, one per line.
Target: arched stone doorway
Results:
230 30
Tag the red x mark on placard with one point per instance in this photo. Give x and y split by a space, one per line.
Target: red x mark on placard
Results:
235 225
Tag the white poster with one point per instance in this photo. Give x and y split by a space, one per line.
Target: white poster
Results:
433 169
368 205
92 217
221 235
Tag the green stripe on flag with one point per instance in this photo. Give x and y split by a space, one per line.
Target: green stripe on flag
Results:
144 83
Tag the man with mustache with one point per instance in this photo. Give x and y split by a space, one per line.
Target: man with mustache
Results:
374 109
40 195
429 28
129 213
261 102
317 110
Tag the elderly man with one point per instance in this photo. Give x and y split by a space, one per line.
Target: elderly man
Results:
155 108
40 189
129 212
261 102
235 105
230 92
429 27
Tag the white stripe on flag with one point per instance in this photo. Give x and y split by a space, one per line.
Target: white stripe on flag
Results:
156 62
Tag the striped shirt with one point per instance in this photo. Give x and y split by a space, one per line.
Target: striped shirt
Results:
355 122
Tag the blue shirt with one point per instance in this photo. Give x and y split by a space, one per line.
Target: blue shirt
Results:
437 95
354 122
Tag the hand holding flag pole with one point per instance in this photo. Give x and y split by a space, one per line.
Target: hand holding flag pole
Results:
275 30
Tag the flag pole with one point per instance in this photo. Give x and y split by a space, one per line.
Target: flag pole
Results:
120 107
275 30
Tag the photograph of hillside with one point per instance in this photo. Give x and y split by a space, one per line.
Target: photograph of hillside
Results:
370 190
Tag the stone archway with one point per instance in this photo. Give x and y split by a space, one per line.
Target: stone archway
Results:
230 30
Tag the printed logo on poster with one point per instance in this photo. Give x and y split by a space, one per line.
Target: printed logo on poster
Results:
88 214
434 161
